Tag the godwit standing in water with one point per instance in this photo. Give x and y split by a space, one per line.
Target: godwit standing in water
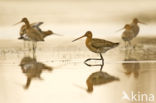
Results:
32 34
97 46
135 27
32 69
23 31
128 34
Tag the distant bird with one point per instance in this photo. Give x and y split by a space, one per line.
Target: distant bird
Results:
135 27
128 34
24 28
32 69
32 34
97 45
99 78
43 34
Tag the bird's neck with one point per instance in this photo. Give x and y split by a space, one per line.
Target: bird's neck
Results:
135 23
88 40
27 23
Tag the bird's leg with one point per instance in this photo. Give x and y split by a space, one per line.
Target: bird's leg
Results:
28 83
91 59
92 64
102 62
129 43
131 47
24 44
34 49
125 45
85 62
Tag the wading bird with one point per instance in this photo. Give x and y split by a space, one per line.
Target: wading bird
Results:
128 34
23 28
32 34
134 26
97 46
23 34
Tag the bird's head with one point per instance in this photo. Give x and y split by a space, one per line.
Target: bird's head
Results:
88 34
136 20
23 20
127 26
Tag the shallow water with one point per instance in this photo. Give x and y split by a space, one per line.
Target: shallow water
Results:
134 66
69 75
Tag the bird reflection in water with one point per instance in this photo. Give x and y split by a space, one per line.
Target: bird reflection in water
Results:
131 65
131 68
32 69
99 78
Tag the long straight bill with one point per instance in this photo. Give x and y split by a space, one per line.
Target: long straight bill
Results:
57 34
79 38
17 23
119 30
142 22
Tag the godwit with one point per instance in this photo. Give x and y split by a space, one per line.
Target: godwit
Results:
135 27
99 78
97 46
32 34
43 34
32 69
23 31
128 34
23 28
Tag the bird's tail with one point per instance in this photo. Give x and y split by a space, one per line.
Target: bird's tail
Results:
116 44
116 78
21 37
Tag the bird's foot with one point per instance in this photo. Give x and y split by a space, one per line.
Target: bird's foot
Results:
25 87
87 60
21 37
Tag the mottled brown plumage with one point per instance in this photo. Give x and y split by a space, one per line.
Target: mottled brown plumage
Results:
32 33
34 25
97 46
128 34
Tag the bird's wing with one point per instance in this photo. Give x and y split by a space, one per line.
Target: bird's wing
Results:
35 34
98 43
36 26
